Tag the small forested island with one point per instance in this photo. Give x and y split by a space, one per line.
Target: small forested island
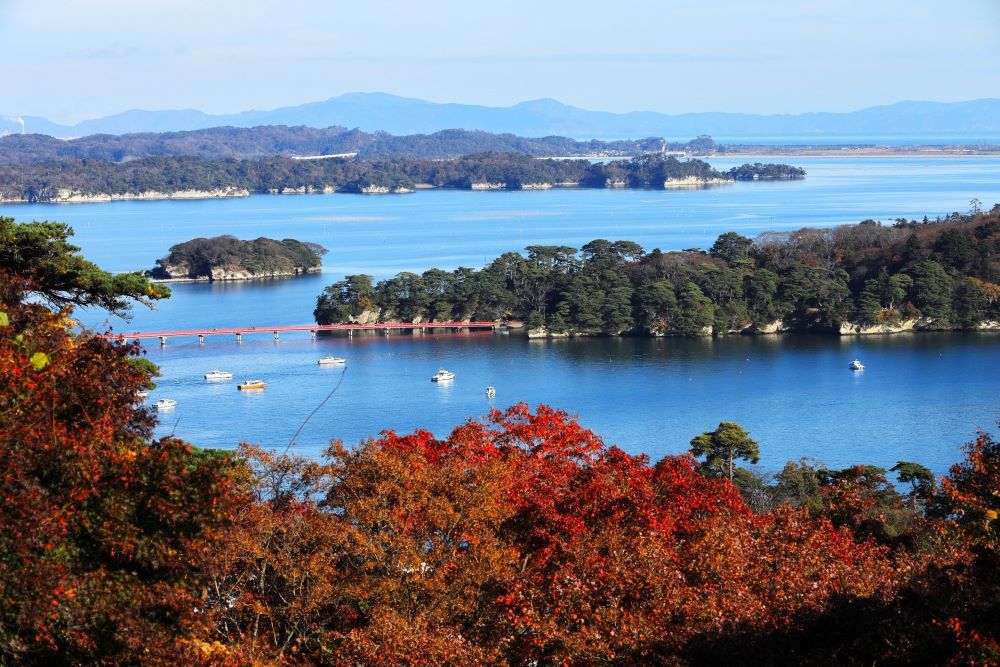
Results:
767 172
854 279
229 258
164 177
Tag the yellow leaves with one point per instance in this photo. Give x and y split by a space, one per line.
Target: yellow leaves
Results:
39 360
207 649
991 515
4 319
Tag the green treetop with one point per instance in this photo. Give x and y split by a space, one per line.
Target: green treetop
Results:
40 254
721 447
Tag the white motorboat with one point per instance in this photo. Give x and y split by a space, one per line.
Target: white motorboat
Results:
165 404
442 375
491 392
326 361
856 365
218 375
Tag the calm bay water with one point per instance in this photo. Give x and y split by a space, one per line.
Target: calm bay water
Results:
920 397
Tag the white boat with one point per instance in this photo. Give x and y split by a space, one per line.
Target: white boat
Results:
218 375
165 404
332 360
491 392
856 365
442 375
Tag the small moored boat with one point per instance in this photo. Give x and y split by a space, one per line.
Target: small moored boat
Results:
165 403
218 375
251 384
442 375
491 392
325 361
856 365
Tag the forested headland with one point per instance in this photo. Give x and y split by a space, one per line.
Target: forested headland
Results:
280 140
521 538
863 278
155 177
229 258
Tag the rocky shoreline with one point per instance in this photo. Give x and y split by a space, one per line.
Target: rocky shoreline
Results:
65 196
780 327
225 274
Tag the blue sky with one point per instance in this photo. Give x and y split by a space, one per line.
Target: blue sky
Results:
69 60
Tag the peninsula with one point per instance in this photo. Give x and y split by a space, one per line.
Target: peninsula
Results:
186 177
854 279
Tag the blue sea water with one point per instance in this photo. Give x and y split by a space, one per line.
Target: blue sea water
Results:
920 397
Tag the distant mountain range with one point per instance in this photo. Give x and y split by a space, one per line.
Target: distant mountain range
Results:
538 118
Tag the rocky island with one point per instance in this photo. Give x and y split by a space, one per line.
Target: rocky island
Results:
229 258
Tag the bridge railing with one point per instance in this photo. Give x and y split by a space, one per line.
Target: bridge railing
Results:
240 331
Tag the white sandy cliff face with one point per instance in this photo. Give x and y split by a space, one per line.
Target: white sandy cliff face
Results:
851 328
384 190
66 196
694 182
182 273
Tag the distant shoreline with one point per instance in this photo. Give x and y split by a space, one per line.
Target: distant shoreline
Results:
798 150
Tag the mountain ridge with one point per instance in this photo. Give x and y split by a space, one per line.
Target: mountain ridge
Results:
541 117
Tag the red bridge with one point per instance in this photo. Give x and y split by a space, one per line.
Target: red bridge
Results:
276 331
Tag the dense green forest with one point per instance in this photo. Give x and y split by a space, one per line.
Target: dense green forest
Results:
520 538
53 181
228 255
271 140
929 275
766 172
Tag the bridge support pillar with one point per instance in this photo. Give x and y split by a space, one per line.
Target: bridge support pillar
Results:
385 331
201 339
239 338
276 336
350 333
312 334
163 341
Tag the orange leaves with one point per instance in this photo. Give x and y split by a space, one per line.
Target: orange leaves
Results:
100 531
519 539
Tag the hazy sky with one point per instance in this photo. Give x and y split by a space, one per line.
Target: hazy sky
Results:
69 60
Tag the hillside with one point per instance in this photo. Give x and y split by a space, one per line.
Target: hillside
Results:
266 141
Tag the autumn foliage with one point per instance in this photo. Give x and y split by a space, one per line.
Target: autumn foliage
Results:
103 533
518 539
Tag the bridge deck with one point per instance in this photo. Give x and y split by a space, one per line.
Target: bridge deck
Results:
275 329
